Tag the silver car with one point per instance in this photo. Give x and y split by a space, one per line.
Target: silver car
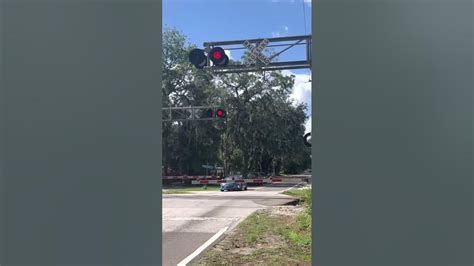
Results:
233 186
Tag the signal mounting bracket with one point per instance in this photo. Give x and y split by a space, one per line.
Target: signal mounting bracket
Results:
288 42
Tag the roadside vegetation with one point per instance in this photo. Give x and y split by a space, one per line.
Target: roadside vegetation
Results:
303 219
274 236
188 190
304 194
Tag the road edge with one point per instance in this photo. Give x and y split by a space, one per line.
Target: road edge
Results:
292 187
198 252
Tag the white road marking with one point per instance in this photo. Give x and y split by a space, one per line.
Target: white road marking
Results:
202 247
198 218
293 186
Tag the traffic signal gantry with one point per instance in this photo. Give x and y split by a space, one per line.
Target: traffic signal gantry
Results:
215 54
193 113
213 58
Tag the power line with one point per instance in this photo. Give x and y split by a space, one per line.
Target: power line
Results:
304 16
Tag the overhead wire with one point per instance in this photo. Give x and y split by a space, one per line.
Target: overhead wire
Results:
305 31
304 16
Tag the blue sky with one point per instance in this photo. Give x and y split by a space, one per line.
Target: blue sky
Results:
221 20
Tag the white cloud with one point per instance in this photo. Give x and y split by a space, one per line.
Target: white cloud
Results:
227 52
302 93
302 88
308 1
281 33
307 125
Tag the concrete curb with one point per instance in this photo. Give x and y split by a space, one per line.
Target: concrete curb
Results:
293 202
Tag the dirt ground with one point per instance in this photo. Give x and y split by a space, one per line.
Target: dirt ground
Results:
261 240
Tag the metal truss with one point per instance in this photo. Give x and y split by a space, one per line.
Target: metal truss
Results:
187 113
259 65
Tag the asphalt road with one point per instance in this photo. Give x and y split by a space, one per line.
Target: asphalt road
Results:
189 220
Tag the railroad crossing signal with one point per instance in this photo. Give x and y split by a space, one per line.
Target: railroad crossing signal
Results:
204 113
216 55
198 58
307 139
220 113
193 113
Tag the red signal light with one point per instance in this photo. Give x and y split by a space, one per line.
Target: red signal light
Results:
217 55
220 113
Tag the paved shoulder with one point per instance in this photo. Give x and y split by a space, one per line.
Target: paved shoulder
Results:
189 220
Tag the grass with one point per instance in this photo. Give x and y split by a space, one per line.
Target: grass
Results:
304 219
266 238
300 235
303 194
188 190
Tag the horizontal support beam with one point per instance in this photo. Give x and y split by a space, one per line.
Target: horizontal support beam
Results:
268 46
253 67
187 113
229 71
189 119
276 39
186 108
